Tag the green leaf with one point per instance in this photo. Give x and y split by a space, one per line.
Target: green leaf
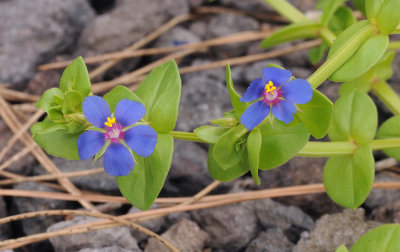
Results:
348 179
55 114
354 117
363 59
275 149
227 173
385 13
253 152
160 92
342 248
76 77
225 149
210 134
72 102
238 106
316 114
55 140
142 186
119 93
384 238
316 54
330 10
48 99
302 30
342 19
360 5
390 129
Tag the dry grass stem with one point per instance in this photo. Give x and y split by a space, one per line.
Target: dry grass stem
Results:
13 95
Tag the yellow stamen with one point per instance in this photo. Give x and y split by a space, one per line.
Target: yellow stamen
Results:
110 122
270 87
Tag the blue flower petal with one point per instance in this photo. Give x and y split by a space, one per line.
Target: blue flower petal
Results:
278 76
284 111
129 112
89 143
254 91
141 139
297 91
118 161
254 114
96 110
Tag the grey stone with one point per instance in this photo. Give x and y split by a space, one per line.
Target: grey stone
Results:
388 213
249 5
226 24
255 70
273 240
25 205
300 72
100 182
299 58
274 214
189 173
128 22
333 230
230 227
204 97
380 197
184 235
33 31
109 249
199 28
175 36
4 228
119 236
154 225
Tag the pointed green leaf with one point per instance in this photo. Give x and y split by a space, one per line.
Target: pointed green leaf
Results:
227 173
253 152
390 129
385 13
348 179
384 238
119 93
210 134
354 117
48 99
342 248
160 92
275 147
302 30
72 102
142 186
342 19
76 77
316 114
316 54
329 10
238 106
225 150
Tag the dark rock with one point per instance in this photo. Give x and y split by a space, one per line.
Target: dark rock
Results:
299 58
380 197
177 36
154 225
109 249
333 230
330 90
189 173
388 213
301 171
4 228
119 236
274 214
204 97
249 5
199 28
22 166
33 31
396 69
230 227
273 240
184 235
226 24
100 182
300 72
26 205
42 81
128 22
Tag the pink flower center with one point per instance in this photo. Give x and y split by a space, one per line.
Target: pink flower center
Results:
271 94
113 130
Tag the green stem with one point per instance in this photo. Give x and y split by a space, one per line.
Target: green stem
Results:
188 136
387 95
341 56
287 10
394 45
327 35
389 143
327 149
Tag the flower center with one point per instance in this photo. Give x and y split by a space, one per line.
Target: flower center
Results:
113 130
271 94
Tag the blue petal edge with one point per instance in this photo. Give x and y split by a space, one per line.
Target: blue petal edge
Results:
129 112
254 91
89 143
278 76
96 110
254 115
141 139
284 111
118 160
297 91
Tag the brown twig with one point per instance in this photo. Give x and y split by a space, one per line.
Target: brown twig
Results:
18 156
11 242
13 95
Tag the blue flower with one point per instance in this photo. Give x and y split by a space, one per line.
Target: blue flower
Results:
114 130
277 94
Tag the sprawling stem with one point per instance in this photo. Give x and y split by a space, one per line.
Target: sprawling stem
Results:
287 10
387 95
341 56
394 45
188 136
